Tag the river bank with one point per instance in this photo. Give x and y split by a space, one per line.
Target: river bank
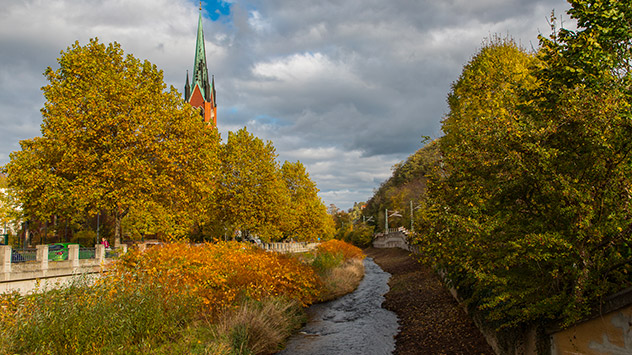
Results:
430 320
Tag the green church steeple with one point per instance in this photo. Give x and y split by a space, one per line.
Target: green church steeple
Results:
201 93
200 69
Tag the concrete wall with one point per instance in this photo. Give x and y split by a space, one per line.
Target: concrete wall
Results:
26 276
396 239
607 332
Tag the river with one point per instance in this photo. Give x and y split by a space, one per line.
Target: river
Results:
353 324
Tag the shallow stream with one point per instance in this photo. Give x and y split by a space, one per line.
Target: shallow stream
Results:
353 324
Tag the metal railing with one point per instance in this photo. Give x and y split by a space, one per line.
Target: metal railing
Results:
112 253
23 255
87 253
63 254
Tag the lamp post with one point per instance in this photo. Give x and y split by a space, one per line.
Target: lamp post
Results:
393 214
411 216
412 229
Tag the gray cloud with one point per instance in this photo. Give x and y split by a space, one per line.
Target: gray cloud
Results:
347 87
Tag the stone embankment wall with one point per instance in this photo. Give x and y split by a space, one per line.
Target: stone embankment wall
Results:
607 331
43 273
394 239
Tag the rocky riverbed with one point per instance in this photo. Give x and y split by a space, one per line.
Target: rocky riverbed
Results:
431 321
353 324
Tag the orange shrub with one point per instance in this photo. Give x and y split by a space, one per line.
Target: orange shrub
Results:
347 250
223 273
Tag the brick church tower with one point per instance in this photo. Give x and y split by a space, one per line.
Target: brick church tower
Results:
200 93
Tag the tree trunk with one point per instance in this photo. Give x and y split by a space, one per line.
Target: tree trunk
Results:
118 217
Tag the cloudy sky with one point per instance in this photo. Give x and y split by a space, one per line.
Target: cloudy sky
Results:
348 87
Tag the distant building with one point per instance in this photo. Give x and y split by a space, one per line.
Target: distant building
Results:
200 93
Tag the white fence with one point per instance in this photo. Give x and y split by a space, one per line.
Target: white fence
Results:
292 247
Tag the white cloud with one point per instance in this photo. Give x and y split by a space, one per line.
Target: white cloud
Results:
257 22
347 87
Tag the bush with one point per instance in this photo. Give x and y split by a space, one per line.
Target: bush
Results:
222 274
326 261
336 246
224 298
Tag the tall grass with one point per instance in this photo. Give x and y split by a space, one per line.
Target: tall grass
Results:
339 266
102 318
342 280
259 327
324 262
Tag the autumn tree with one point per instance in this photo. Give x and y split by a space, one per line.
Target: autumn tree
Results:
251 196
407 184
476 238
533 191
114 140
307 218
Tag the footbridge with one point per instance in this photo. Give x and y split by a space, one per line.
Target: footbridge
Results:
393 238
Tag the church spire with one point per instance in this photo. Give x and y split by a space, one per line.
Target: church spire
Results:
187 88
200 69
201 94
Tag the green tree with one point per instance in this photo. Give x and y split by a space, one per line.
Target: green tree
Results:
307 218
485 236
113 139
343 223
599 51
251 196
533 195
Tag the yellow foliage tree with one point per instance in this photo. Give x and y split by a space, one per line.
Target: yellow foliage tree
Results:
252 198
307 218
113 138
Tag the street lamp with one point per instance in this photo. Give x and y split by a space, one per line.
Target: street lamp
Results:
412 229
386 215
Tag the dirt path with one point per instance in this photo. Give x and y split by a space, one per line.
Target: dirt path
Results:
431 322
